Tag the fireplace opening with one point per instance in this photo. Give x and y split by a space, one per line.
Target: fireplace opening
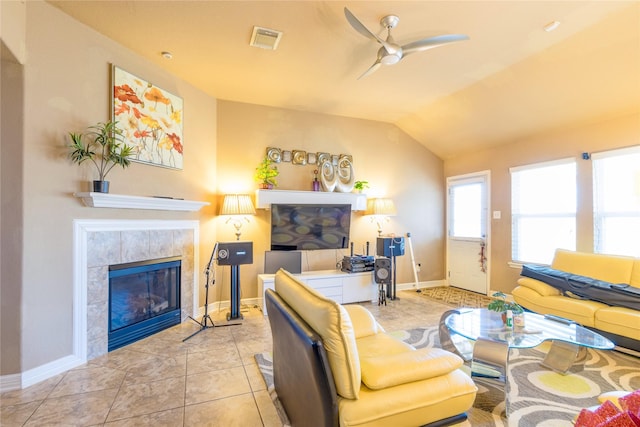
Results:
144 298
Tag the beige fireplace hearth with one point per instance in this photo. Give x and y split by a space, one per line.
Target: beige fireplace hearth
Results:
101 243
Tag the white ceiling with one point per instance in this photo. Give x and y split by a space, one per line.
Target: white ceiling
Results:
510 80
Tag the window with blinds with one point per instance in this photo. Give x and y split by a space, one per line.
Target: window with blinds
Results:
543 210
616 201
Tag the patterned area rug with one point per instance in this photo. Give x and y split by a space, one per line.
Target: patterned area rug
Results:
456 297
537 396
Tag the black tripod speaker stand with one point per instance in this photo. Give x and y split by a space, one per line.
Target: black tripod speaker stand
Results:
206 321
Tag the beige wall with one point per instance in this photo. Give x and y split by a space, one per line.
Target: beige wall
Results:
13 22
591 137
11 115
395 165
67 89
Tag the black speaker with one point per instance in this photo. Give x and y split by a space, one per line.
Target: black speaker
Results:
235 253
390 246
382 271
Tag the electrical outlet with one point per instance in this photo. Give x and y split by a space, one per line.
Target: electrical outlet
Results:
418 266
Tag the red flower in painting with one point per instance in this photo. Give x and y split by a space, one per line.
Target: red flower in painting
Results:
141 133
123 108
176 142
137 113
124 93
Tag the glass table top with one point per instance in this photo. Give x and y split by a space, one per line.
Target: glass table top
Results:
474 323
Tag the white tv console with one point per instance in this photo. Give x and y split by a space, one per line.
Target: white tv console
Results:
341 287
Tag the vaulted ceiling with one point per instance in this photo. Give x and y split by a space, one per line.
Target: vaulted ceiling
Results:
511 79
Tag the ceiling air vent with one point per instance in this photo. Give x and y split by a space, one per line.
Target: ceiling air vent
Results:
265 38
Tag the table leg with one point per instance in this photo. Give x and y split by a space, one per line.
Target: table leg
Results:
563 357
487 358
446 341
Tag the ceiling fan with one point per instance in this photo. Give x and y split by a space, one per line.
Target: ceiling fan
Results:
391 52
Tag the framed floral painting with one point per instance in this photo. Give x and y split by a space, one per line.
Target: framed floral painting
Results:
150 119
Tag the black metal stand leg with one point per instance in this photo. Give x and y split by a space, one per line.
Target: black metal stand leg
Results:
206 319
382 295
392 287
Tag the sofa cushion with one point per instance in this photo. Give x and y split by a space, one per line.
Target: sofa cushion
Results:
538 286
382 343
581 311
619 321
427 400
331 321
378 372
364 324
610 268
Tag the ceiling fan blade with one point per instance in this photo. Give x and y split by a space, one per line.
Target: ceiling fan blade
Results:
431 42
359 27
371 69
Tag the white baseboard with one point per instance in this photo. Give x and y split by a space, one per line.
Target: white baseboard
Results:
222 305
41 373
48 370
10 382
421 285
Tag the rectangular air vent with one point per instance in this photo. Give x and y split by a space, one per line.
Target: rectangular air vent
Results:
265 38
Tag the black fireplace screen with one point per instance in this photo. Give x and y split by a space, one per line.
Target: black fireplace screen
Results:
144 298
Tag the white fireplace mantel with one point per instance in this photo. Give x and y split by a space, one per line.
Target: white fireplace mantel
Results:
265 198
107 200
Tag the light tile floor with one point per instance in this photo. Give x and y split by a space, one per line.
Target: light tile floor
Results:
209 380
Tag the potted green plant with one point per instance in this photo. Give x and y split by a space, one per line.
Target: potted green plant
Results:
266 174
360 186
105 148
500 305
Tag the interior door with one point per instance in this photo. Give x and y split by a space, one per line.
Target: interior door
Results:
467 223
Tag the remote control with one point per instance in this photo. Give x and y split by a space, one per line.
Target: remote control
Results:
558 319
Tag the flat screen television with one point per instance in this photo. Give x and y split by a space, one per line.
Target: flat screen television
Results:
309 227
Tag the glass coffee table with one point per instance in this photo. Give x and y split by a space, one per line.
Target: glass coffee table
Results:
493 340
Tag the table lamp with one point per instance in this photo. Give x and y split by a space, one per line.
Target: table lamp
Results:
237 206
380 209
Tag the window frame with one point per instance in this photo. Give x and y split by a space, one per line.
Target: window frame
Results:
517 216
600 215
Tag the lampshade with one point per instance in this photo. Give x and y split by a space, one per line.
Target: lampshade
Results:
384 207
237 204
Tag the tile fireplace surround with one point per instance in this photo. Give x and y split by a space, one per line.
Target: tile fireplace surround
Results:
100 243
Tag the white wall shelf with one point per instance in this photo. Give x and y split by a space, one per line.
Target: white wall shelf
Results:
265 198
106 200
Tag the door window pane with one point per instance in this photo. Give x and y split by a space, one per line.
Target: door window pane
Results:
467 215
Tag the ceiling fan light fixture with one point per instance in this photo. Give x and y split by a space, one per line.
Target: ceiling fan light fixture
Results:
551 26
265 38
390 59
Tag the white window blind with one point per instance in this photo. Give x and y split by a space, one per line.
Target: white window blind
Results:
616 201
543 210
